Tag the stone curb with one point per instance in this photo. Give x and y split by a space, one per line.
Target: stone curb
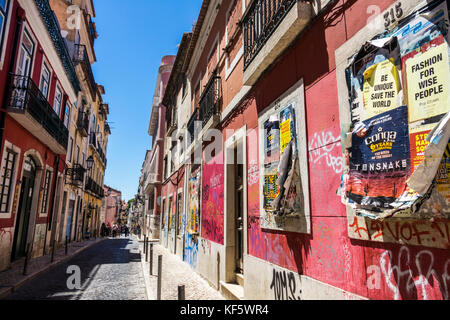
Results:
9 290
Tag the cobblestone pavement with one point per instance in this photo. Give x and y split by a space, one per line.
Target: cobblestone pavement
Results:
110 270
175 272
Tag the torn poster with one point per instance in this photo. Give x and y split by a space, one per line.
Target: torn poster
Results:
403 74
379 160
374 79
282 189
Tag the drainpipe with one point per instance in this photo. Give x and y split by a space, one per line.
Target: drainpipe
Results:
20 18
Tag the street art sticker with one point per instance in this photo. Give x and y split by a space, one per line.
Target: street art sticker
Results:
213 201
400 122
282 201
193 223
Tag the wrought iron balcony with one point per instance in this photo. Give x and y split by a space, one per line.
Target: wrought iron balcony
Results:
83 123
52 25
107 128
75 175
103 109
94 188
30 108
101 153
191 125
261 20
211 100
81 57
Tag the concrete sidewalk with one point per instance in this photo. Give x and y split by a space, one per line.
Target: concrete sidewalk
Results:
175 272
13 278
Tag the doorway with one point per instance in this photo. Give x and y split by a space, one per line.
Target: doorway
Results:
238 171
235 206
70 219
24 209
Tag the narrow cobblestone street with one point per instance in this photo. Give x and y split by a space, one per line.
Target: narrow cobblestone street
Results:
175 273
110 270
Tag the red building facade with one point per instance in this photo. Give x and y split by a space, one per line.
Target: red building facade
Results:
38 84
258 66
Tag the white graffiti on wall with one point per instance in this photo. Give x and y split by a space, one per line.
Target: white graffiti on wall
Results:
398 273
325 146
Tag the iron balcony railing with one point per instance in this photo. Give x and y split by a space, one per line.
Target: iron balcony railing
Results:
52 25
191 125
101 153
107 128
75 175
102 109
211 99
83 123
25 96
260 21
92 33
95 188
81 57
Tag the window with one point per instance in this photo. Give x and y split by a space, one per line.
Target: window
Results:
3 18
233 16
58 100
45 80
46 191
77 159
93 123
197 95
69 151
25 56
67 115
8 170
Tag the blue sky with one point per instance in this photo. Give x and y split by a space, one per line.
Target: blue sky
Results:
133 37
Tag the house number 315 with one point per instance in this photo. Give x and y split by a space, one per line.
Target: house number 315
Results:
392 15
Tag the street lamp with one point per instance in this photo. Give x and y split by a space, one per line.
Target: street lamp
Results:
90 162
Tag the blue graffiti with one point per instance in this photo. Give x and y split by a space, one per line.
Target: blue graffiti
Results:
190 251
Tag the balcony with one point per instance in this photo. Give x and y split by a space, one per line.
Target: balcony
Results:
81 58
103 110
28 106
94 188
101 154
210 103
75 175
269 27
83 123
107 128
54 31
